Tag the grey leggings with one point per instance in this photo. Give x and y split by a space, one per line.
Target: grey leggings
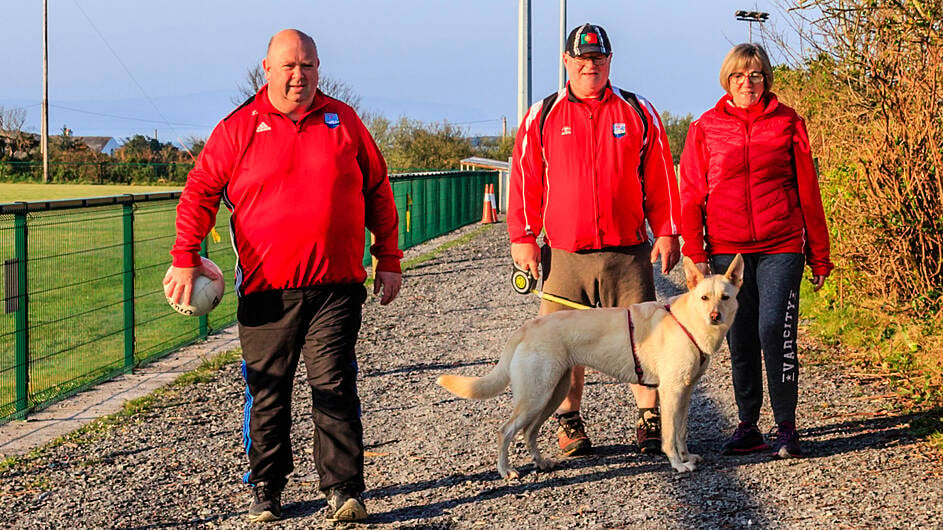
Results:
766 322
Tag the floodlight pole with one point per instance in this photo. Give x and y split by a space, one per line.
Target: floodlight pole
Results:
44 140
751 17
562 43
523 59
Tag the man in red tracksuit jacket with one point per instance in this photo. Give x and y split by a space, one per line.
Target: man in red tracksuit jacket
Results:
303 178
591 165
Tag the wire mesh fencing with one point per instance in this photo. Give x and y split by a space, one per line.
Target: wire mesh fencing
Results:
82 293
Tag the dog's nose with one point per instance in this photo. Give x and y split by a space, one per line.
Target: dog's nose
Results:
715 317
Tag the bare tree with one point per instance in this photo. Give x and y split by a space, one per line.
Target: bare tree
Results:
255 79
251 83
12 119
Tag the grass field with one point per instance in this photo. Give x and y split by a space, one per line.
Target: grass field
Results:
47 192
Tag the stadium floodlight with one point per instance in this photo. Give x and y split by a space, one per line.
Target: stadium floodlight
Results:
751 17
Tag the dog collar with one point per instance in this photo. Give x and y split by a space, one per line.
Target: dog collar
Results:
688 333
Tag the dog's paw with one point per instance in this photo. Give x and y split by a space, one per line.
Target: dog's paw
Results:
683 466
696 459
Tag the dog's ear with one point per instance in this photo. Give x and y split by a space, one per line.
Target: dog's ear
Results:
692 275
734 272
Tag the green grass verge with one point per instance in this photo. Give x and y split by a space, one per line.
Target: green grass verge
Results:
903 350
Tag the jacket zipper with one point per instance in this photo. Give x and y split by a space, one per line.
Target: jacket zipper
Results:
592 128
748 182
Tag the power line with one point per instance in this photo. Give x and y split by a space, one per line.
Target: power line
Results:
128 117
470 122
135 81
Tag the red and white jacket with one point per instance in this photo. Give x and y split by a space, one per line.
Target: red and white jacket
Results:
300 196
591 173
748 184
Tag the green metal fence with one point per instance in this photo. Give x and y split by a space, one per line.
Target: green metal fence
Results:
82 295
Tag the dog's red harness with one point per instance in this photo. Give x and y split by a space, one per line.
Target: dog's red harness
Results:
688 333
638 364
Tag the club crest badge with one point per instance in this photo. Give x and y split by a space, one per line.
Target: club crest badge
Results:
331 120
618 130
565 130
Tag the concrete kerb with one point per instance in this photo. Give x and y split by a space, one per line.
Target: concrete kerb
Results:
19 437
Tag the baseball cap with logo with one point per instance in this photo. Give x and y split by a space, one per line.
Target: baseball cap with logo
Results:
588 38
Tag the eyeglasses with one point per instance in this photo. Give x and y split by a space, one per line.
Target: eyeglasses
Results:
598 60
754 77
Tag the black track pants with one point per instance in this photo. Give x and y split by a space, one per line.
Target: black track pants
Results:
319 324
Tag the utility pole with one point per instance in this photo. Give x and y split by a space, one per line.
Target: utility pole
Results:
523 59
504 126
44 139
751 17
562 43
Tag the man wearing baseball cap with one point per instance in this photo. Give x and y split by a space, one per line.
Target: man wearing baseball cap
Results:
591 166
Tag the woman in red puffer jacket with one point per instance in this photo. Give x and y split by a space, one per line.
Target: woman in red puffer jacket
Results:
749 186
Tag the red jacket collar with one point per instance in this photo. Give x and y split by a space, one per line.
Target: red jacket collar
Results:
726 101
264 104
606 92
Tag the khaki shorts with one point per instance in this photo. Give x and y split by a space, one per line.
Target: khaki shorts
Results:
611 277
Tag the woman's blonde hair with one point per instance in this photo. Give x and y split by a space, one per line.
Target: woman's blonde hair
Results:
741 56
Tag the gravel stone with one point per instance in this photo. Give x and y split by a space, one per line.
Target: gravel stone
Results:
430 460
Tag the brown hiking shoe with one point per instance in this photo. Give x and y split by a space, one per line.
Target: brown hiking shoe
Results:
648 431
571 436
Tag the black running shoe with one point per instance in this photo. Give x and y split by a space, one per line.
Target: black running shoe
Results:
344 503
746 439
266 501
787 441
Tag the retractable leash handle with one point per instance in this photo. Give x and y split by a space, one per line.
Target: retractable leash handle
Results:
525 283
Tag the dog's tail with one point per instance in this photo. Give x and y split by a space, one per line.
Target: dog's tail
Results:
491 384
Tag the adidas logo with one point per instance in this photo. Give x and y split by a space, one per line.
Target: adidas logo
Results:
263 127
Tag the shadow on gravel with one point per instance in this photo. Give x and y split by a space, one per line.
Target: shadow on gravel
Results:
465 265
857 435
193 523
492 487
423 367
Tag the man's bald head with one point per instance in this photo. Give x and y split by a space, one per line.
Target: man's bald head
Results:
290 34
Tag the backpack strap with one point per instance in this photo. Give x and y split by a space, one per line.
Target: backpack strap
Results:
633 100
545 107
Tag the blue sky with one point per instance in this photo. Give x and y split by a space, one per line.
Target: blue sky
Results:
122 68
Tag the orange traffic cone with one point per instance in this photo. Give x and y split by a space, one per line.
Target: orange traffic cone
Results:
487 215
494 202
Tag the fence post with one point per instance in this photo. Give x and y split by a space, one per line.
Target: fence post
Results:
204 319
22 316
127 222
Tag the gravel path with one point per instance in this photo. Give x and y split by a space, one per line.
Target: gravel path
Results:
431 457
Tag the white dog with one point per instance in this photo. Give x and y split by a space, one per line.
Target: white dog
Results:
653 343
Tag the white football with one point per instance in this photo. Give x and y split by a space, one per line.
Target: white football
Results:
206 293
